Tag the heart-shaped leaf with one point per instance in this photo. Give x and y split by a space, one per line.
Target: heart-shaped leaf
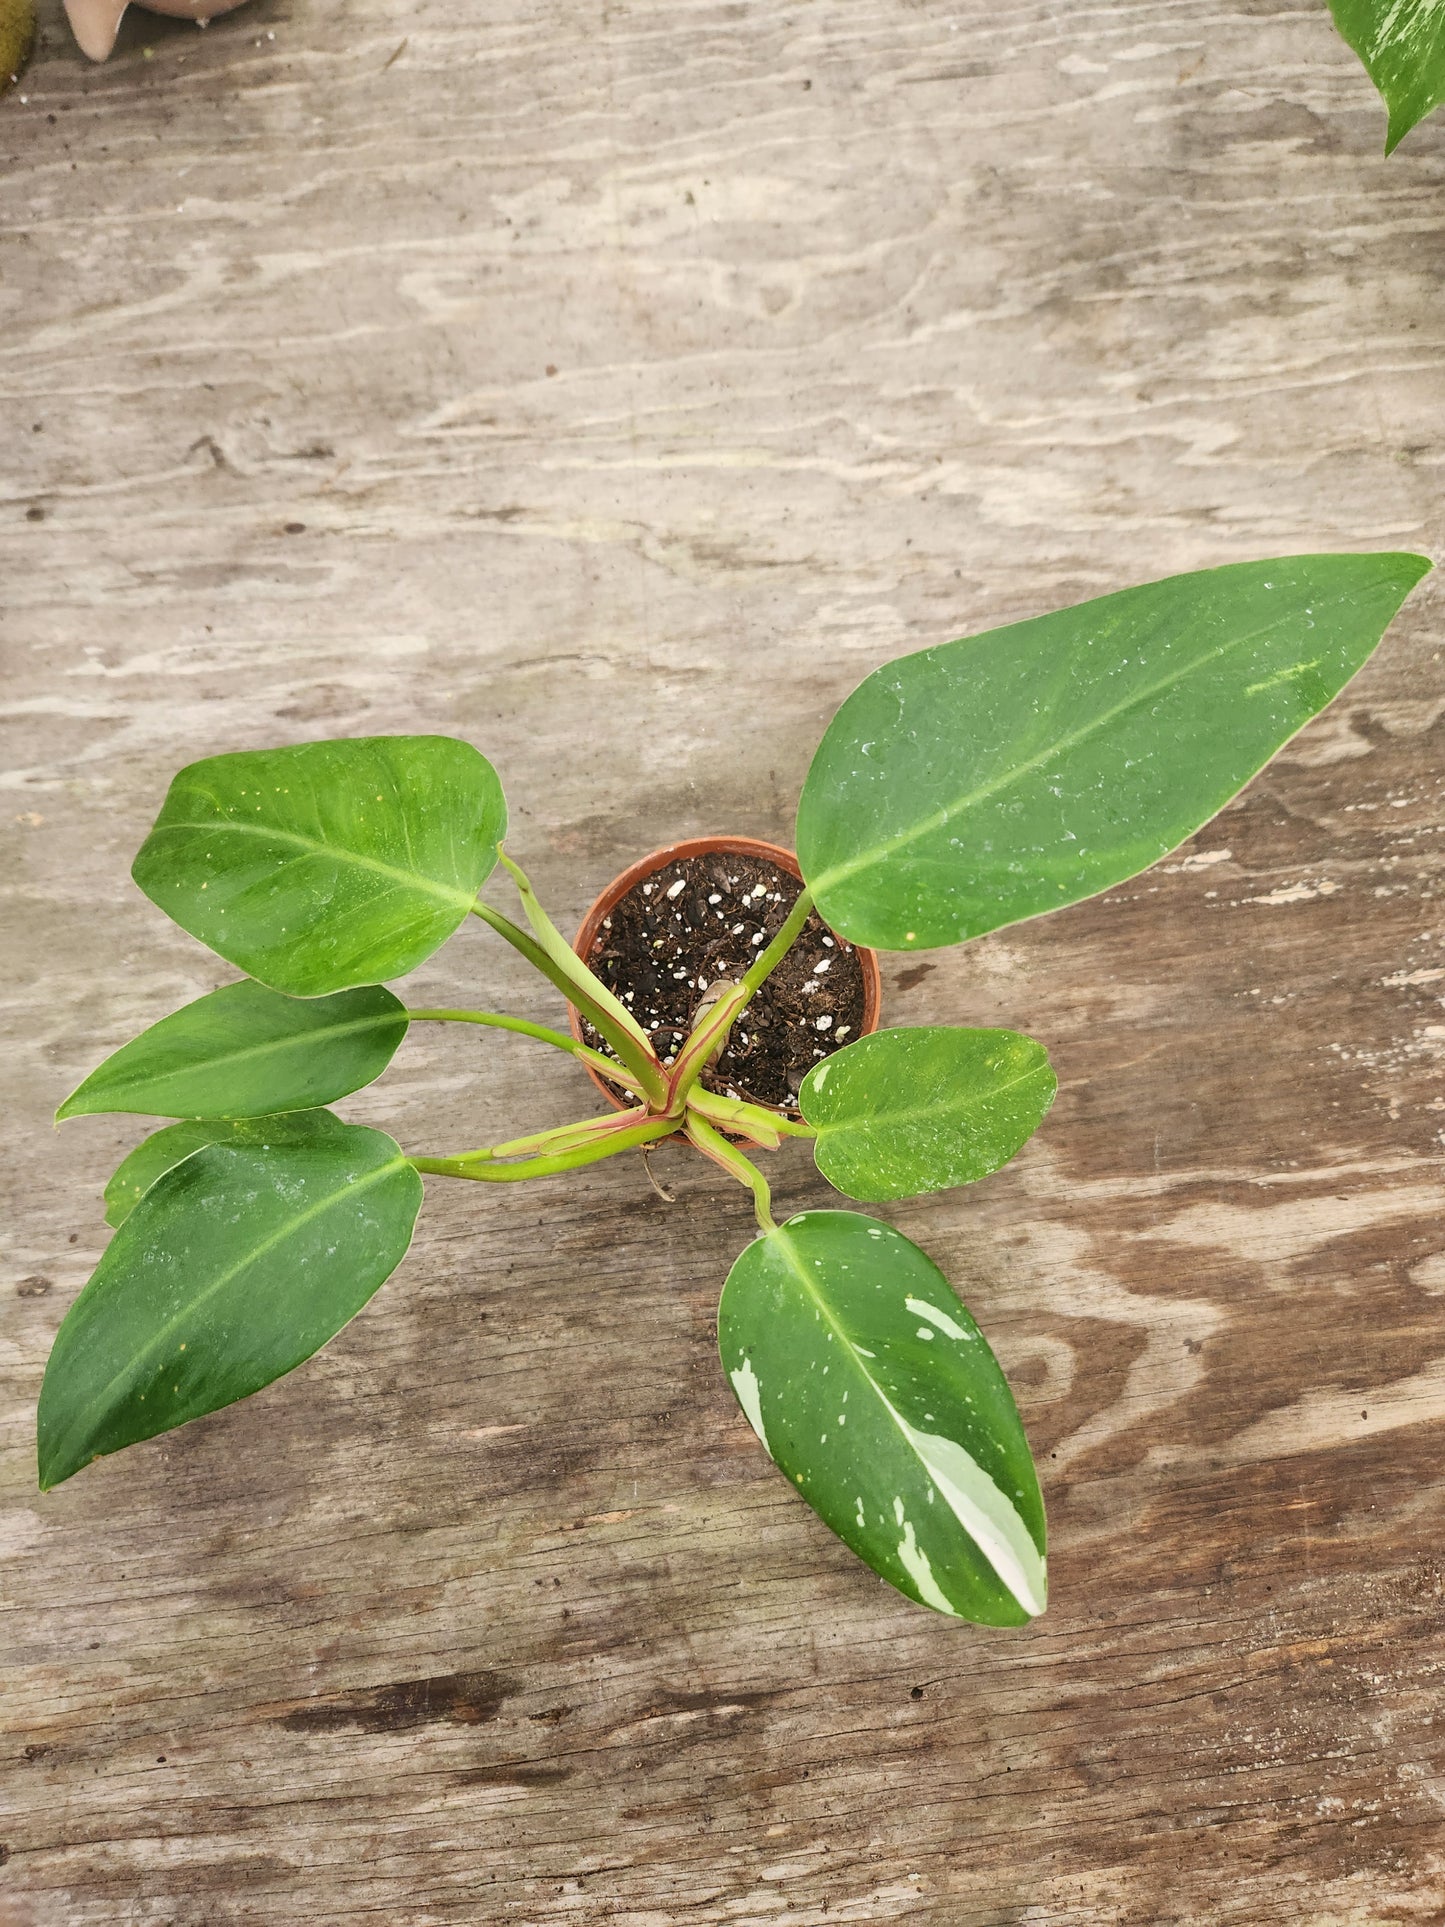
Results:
913 1110
968 786
326 865
1402 46
234 1267
873 1389
163 1150
246 1051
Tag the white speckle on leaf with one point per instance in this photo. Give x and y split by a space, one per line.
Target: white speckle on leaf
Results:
950 1327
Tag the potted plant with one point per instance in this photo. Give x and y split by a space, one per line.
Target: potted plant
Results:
956 791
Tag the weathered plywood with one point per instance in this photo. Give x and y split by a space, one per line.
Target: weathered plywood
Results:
614 386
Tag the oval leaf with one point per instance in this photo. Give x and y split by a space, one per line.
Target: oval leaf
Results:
968 786
246 1051
905 1111
163 1150
326 865
233 1268
1402 46
871 1387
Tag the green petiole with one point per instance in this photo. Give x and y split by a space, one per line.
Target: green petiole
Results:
571 1147
607 1066
766 1128
716 1147
565 957
576 983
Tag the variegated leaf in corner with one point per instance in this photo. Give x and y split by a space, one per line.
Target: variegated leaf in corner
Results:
874 1391
1402 46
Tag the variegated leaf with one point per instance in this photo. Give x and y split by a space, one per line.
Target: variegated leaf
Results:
875 1392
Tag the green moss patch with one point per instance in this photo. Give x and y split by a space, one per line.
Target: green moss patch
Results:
17 35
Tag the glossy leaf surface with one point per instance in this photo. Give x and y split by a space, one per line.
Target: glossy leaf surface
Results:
987 780
163 1150
246 1051
1402 46
873 1389
234 1267
912 1110
326 865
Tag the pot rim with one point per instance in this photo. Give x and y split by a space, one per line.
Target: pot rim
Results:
692 846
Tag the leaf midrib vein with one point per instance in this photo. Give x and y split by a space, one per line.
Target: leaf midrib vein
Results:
885 1120
946 812
298 1039
315 846
811 1289
351 1187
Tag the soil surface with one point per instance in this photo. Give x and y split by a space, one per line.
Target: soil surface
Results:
699 922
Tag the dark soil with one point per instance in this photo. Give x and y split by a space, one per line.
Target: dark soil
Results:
705 918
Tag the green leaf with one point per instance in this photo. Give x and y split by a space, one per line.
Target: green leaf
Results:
1402 45
987 780
245 1051
234 1267
163 1150
326 865
872 1388
905 1111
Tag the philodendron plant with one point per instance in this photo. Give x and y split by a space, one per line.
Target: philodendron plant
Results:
955 791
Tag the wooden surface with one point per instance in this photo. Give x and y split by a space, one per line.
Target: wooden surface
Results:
614 386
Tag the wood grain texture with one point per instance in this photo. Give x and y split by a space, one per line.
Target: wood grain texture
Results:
614 386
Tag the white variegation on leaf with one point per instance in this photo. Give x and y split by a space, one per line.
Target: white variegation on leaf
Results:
873 1389
1401 44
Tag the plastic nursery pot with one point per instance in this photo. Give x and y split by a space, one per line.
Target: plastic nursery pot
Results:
702 846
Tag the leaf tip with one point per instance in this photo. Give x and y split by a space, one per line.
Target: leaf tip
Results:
1401 121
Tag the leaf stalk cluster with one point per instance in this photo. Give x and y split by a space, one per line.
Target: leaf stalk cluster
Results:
674 1100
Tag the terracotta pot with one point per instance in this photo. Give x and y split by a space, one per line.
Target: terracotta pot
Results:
705 846
95 23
